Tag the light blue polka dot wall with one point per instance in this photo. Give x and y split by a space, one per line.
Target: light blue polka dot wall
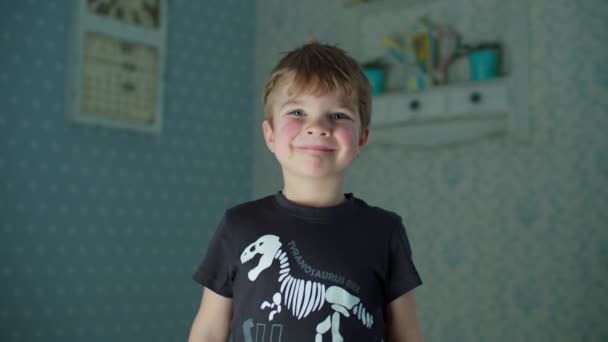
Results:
100 229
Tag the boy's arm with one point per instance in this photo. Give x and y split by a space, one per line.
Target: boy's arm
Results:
402 324
212 321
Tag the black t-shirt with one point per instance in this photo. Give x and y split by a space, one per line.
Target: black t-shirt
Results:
298 273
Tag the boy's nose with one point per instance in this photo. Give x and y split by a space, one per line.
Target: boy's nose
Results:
318 127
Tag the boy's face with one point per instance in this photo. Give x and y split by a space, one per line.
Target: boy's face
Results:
314 136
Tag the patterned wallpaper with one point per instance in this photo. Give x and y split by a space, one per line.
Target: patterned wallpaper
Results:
510 238
101 229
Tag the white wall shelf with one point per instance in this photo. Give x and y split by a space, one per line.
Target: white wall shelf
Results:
442 115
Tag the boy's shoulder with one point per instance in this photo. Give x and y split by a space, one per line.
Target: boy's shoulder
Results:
249 208
376 212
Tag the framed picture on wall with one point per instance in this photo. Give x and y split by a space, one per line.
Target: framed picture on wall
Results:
117 64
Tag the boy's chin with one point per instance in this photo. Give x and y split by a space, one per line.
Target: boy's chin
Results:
317 173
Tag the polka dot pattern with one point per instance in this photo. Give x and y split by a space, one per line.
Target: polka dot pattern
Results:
101 229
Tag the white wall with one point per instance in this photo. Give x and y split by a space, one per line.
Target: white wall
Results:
509 237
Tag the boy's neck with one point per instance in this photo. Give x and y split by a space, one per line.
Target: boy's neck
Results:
314 192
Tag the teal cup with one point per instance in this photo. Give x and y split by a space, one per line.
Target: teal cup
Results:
483 65
376 79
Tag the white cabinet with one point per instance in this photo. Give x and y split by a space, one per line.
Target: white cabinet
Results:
390 109
483 98
441 115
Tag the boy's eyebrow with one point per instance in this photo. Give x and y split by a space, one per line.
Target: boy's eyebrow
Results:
296 102
290 102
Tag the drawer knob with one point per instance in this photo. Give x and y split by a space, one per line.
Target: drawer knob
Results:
475 97
414 105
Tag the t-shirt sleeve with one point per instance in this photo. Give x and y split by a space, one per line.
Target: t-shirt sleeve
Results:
402 273
216 271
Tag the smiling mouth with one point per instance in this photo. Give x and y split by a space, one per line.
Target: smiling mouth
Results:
317 148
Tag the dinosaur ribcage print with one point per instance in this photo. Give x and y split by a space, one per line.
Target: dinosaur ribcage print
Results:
301 297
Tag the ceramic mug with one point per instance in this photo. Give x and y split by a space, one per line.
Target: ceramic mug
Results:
483 64
376 79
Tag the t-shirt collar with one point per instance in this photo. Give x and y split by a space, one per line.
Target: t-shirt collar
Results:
315 213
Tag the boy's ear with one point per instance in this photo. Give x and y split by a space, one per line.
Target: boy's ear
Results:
363 138
268 135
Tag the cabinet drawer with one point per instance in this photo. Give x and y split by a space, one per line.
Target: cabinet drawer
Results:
482 99
402 107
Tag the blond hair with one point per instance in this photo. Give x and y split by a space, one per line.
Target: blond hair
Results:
321 69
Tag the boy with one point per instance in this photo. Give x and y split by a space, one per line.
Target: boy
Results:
310 263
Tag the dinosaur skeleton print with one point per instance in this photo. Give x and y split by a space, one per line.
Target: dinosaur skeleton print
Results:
300 297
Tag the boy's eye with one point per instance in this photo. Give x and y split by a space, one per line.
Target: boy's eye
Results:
339 116
297 112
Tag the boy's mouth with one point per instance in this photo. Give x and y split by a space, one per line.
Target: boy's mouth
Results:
320 148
